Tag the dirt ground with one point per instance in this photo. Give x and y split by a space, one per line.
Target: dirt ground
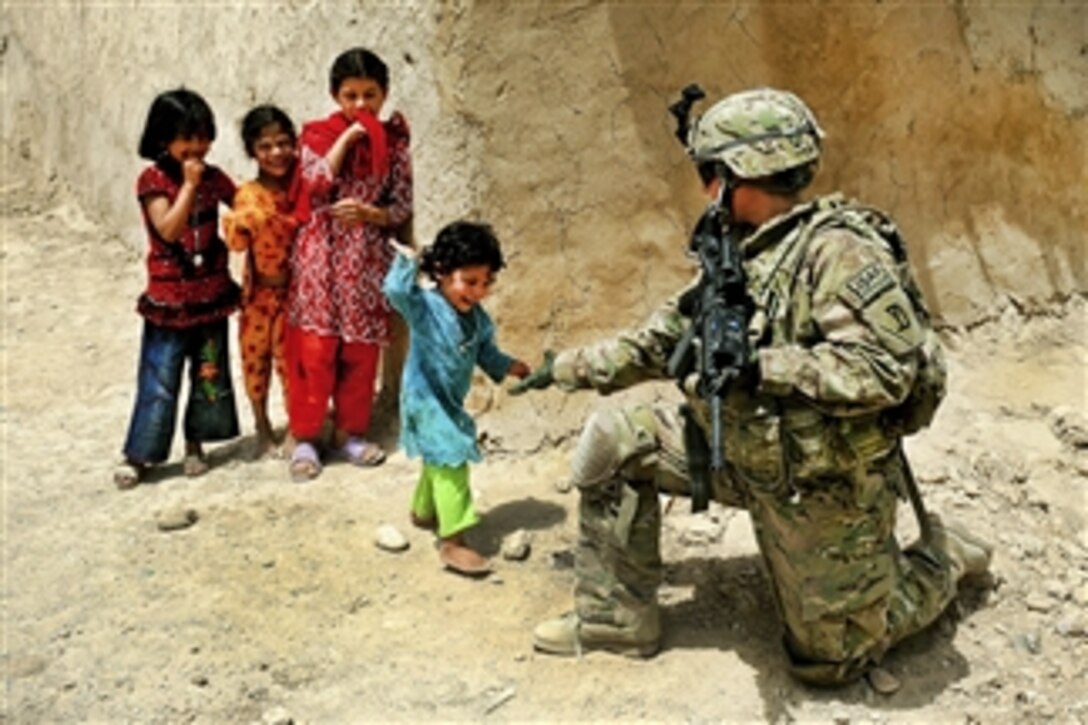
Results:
276 605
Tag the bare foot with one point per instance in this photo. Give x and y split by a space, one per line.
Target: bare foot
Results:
265 446
195 463
128 474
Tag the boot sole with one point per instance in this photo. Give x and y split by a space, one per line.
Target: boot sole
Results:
634 651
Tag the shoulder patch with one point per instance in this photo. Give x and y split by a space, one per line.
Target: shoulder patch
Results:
868 284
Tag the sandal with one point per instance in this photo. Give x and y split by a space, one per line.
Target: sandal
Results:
128 475
305 464
360 452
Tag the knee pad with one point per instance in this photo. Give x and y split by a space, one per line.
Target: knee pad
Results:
608 440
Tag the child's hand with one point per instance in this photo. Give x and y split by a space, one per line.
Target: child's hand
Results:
192 169
519 370
353 211
538 379
354 132
405 250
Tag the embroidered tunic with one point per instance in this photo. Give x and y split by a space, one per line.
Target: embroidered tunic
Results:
445 347
337 269
188 280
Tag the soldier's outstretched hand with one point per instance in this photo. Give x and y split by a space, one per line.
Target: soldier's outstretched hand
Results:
538 379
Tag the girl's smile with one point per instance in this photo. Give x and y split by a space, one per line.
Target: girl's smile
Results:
275 152
465 287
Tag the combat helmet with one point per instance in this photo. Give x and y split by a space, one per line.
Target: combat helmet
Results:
756 133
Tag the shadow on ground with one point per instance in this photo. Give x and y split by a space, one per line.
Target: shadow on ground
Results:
731 607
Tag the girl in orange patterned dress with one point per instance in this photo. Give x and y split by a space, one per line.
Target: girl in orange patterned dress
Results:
263 227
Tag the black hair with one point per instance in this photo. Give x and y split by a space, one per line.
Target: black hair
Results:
462 244
358 63
261 117
179 113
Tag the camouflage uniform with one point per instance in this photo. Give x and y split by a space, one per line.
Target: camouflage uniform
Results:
811 451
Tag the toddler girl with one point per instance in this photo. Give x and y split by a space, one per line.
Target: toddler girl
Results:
263 227
356 187
450 333
189 292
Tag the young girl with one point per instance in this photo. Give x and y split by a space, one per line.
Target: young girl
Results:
189 292
450 334
263 228
356 180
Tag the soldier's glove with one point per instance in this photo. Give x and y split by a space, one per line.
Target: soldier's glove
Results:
539 379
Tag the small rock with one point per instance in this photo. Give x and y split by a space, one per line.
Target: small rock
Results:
563 485
1055 588
883 681
1039 602
199 680
516 546
277 716
1072 625
175 519
1030 642
1080 595
389 538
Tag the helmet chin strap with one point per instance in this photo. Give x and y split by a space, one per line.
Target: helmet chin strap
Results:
724 202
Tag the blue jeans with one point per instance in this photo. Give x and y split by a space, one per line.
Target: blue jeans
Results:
209 413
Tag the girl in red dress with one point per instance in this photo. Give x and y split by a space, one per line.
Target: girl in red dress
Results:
353 189
189 292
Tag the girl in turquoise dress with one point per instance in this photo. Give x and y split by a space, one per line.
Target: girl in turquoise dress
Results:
450 335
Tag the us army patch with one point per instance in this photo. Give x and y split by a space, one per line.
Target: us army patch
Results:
868 284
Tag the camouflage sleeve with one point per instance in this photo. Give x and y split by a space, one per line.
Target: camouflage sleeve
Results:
628 359
866 330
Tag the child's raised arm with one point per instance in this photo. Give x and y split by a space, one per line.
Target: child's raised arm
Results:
169 219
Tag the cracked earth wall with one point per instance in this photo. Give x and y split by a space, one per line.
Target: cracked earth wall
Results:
967 120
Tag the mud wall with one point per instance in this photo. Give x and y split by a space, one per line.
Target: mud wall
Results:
966 120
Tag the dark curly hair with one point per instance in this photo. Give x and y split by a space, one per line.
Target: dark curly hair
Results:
462 244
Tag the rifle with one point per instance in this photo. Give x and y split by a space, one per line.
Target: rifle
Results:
719 308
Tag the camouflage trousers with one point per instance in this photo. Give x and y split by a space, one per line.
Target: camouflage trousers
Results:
845 590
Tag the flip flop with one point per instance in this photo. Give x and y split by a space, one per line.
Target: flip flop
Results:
361 452
305 464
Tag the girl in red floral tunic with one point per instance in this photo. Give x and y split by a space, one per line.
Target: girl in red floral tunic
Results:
189 292
354 188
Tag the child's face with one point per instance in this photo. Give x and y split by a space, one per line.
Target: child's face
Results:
274 150
465 287
357 93
183 149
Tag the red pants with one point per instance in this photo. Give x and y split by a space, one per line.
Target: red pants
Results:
320 368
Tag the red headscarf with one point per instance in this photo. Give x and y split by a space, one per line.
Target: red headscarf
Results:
370 156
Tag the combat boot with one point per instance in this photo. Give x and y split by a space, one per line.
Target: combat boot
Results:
568 636
968 554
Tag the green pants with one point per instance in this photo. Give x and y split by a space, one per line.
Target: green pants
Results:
443 491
